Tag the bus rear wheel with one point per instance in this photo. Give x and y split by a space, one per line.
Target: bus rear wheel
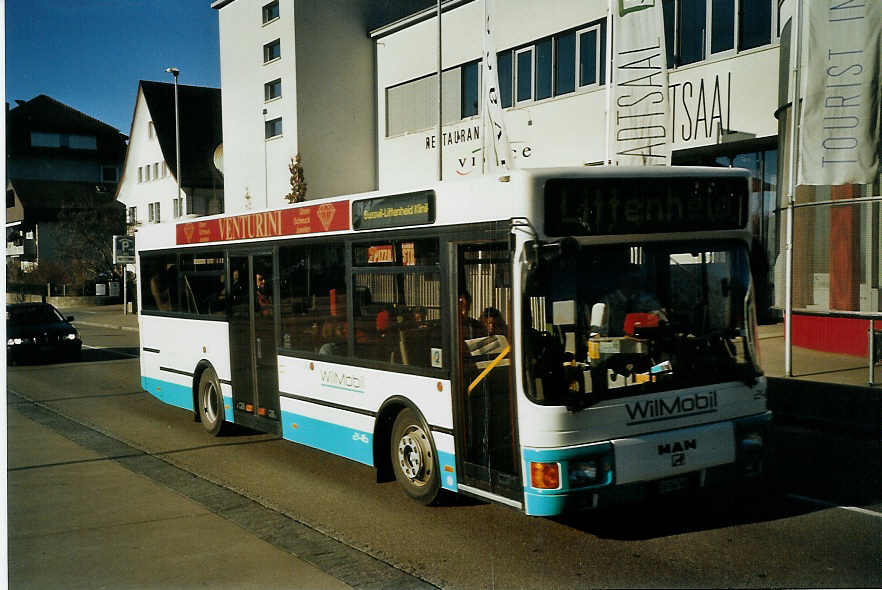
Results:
210 402
414 458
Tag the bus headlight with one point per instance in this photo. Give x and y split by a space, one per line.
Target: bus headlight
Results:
14 342
588 472
71 336
752 442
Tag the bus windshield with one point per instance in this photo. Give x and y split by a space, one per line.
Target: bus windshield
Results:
623 320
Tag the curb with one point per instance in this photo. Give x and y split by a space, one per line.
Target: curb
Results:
106 326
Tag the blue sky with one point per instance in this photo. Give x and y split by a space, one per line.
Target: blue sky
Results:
90 54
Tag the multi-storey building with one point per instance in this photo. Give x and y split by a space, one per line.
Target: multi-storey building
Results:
724 59
297 78
149 185
57 159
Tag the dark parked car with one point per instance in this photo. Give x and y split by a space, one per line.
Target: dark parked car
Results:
38 331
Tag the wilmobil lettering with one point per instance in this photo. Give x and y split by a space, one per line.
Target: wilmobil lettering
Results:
669 409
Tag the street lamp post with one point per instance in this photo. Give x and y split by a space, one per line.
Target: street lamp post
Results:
174 72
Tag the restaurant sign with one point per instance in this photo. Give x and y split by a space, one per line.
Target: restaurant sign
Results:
326 217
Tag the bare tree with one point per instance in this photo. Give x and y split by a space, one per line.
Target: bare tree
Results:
86 237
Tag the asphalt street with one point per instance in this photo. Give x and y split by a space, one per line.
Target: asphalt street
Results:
110 488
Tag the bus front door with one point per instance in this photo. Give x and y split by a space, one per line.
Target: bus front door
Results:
486 402
253 343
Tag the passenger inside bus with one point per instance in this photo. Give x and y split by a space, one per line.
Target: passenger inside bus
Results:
262 297
163 287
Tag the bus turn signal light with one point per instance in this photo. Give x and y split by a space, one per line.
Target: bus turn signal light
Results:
545 476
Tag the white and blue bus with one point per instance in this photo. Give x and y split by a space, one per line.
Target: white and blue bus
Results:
550 339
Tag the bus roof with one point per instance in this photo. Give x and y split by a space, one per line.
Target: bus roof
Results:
491 197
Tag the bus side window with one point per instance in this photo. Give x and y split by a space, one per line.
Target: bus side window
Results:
313 298
159 285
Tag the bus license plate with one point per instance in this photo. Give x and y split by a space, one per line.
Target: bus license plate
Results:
674 484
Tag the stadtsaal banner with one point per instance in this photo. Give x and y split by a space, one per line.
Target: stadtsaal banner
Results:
640 110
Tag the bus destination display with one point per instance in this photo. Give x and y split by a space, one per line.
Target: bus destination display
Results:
619 206
417 208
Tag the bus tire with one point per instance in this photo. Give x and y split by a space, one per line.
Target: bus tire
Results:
414 459
210 402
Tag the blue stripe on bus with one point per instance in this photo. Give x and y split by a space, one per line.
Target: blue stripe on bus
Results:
180 396
447 462
326 436
170 393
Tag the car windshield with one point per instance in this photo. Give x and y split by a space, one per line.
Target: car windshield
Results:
614 321
32 314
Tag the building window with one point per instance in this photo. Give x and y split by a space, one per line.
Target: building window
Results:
155 170
544 72
164 169
272 50
109 174
722 25
132 215
273 128
270 12
754 23
469 90
64 140
697 29
178 205
272 89
503 69
49 140
140 174
589 56
564 63
524 74
151 131
147 173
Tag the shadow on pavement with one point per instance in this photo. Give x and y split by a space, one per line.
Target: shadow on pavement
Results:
684 514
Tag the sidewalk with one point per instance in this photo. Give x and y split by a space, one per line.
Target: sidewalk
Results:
813 365
87 515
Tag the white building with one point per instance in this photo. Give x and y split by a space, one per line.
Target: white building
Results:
298 77
149 185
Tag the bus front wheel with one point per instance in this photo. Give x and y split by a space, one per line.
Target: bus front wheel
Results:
414 459
211 402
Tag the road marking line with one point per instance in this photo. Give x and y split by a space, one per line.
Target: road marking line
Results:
834 505
111 350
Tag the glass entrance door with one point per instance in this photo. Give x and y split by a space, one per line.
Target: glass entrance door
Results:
253 342
486 399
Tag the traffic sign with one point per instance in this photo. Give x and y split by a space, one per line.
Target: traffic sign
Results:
123 249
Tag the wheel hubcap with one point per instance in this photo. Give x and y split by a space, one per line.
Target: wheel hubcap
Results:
209 403
414 456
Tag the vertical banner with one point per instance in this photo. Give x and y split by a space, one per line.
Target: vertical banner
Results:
839 127
640 110
499 152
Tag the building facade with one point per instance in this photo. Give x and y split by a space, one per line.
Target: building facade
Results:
58 161
722 56
149 185
298 78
